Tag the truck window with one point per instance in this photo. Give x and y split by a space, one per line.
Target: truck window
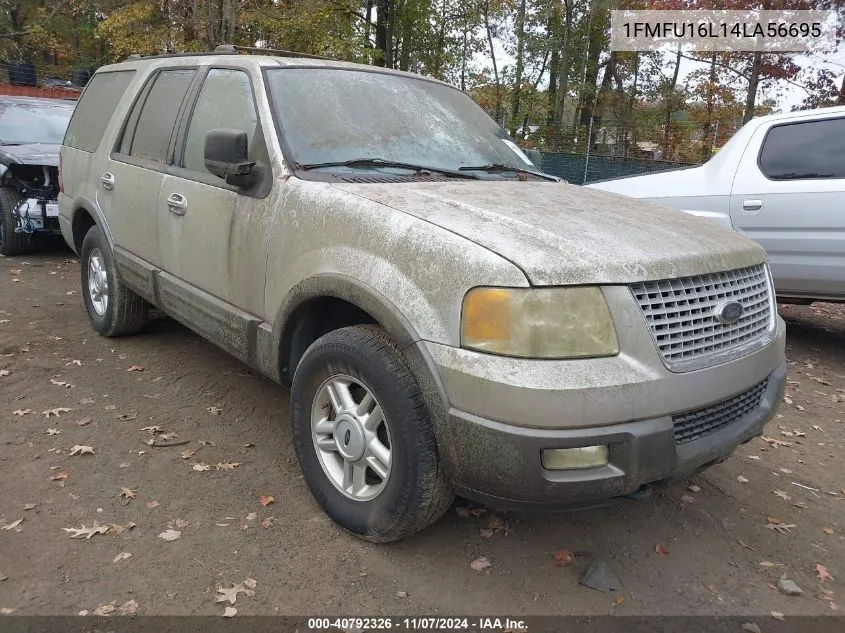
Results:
810 150
225 101
151 121
95 109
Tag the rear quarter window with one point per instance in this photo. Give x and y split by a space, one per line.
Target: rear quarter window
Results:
809 150
95 109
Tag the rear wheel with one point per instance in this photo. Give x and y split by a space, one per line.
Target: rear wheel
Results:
12 243
364 437
113 309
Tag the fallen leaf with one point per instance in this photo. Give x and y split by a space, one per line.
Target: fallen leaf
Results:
126 493
782 495
7 611
694 488
152 504
128 608
55 412
4 372
620 600
486 532
60 477
52 431
87 533
822 573
265 500
60 383
402 594
214 410
110 407
117 529
774 441
13 525
81 450
777 615
767 563
772 520
249 583
712 588
187 453
251 516
751 627
230 612
22 412
30 506
169 436
105 609
266 522
200 466
562 557
86 401
135 368
122 556
170 535
661 551
827 530
480 564
742 479
76 362
230 594
83 422
757 457
179 524
781 528
227 465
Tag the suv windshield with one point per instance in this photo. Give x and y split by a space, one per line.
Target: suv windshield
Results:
24 122
331 115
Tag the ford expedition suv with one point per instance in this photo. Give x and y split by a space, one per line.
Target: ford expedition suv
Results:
451 319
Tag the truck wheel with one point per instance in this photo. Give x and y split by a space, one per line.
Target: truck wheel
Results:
364 438
11 243
113 309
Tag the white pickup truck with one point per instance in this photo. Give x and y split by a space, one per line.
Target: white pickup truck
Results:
780 181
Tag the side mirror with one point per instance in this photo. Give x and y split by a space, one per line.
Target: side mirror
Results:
226 156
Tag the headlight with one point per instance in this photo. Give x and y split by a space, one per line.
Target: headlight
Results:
538 322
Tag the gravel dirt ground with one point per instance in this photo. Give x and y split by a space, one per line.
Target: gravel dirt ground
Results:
707 546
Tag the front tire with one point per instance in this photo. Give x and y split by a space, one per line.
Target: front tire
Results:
12 243
113 309
364 438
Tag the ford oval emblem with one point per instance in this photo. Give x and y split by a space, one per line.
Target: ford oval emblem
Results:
728 312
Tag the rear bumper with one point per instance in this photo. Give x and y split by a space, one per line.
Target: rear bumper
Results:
499 464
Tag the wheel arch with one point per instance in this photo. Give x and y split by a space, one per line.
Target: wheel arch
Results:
325 302
86 214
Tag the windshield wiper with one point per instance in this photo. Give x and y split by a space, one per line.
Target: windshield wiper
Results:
494 167
381 162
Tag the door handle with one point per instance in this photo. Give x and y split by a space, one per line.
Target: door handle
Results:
177 203
107 180
752 205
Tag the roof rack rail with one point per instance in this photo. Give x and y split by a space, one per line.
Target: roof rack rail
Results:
229 49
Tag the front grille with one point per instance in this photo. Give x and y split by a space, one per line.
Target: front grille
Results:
692 425
681 316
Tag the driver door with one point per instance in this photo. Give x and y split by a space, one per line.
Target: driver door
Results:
212 245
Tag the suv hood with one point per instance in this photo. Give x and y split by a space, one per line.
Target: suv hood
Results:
561 234
30 154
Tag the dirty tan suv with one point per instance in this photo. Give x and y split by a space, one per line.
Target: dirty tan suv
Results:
451 319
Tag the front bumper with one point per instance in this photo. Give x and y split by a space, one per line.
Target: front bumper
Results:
502 412
499 464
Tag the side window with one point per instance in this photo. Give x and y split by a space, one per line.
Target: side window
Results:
811 150
225 101
95 109
153 117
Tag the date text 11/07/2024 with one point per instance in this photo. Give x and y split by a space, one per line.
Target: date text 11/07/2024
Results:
419 623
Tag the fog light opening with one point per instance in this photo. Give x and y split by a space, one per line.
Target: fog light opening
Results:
574 458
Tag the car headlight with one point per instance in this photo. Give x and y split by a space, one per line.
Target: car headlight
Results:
538 322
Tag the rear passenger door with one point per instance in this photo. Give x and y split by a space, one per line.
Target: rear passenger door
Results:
213 235
130 182
790 198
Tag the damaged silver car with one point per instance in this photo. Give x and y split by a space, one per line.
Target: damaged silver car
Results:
451 320
31 132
